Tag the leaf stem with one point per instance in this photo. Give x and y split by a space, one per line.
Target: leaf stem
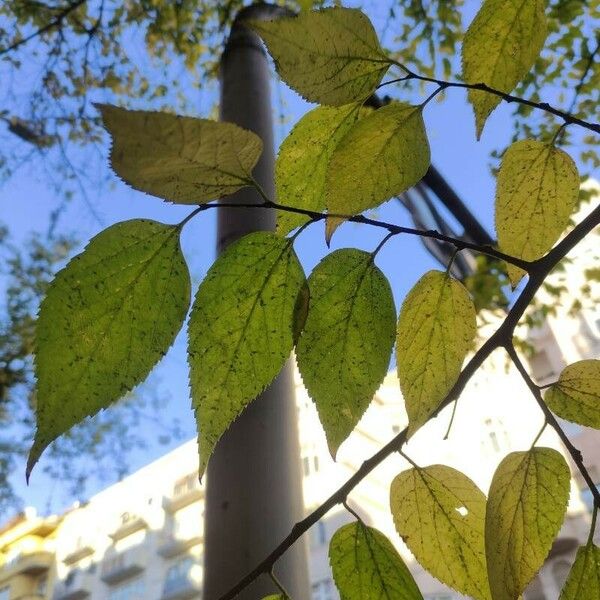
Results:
279 585
451 420
352 511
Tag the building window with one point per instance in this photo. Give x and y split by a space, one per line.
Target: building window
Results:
306 465
5 593
535 590
132 590
42 585
321 533
541 367
323 590
180 570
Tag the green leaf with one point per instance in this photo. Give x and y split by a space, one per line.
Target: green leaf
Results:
344 351
583 582
331 56
499 48
526 507
576 395
303 159
107 319
537 191
440 514
382 156
274 597
436 329
366 566
180 159
241 330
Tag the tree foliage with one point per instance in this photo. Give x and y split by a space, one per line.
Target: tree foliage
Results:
253 307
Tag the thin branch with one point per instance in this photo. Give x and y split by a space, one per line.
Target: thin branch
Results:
501 338
509 98
552 421
56 22
391 227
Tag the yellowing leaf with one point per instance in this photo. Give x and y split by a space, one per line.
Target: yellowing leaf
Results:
381 156
303 159
499 48
536 193
331 56
576 395
526 506
180 159
241 330
344 351
366 566
107 319
436 328
440 513
583 582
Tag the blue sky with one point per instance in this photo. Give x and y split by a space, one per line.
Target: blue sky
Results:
455 152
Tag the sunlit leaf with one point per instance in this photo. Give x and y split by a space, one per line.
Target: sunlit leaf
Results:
537 190
526 507
499 48
344 351
383 155
576 394
366 566
303 158
331 56
440 514
180 159
241 330
583 582
436 328
107 319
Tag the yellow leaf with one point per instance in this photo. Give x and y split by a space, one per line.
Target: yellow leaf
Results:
440 513
180 159
331 56
536 193
499 48
303 159
383 155
526 507
576 395
436 328
583 582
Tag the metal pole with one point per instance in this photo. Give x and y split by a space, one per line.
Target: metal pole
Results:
254 480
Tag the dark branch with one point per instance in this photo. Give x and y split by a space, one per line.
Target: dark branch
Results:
502 338
567 117
54 23
552 421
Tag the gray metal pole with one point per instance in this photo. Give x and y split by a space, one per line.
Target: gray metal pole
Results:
254 480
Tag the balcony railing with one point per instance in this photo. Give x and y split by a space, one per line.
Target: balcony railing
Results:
34 562
77 554
77 586
176 501
117 567
172 545
181 588
131 525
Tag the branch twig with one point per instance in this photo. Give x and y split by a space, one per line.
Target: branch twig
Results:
56 22
553 422
568 118
502 338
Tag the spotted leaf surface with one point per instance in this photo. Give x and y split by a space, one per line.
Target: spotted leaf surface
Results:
576 395
499 48
180 159
303 159
241 330
526 507
583 582
330 56
344 351
436 329
536 194
366 566
440 513
107 319
381 156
